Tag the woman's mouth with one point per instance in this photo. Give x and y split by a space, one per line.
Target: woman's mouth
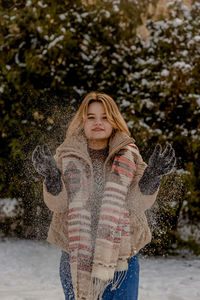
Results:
98 129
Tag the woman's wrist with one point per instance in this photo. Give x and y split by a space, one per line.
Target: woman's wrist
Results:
150 181
54 183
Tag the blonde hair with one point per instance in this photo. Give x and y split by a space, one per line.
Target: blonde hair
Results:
112 112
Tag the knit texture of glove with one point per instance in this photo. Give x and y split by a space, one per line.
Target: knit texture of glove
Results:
159 165
45 165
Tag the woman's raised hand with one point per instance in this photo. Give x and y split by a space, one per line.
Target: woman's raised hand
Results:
162 163
45 164
159 164
43 161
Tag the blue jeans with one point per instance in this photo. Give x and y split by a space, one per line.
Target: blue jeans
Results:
128 290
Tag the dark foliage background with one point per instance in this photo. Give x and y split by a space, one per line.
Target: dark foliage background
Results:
53 53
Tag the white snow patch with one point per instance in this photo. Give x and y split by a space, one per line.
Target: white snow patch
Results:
143 124
184 52
126 85
12 18
63 29
141 61
167 40
53 43
39 29
189 231
30 271
28 3
79 91
115 8
46 37
161 24
197 38
85 14
126 65
165 73
133 47
62 17
182 172
10 207
41 4
145 82
107 14
177 22
130 123
157 130
125 103
136 75
182 65
148 103
20 64
84 57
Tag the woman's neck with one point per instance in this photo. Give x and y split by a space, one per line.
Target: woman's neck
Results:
97 145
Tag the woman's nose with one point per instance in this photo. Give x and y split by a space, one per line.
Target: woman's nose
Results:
98 121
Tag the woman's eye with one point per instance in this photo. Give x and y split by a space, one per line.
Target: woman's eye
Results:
92 118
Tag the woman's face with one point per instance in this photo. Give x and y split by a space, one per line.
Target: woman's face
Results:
96 127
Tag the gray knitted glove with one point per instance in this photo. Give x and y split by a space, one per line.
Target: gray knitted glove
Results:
159 164
45 165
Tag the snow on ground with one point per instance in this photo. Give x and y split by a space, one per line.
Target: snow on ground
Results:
29 270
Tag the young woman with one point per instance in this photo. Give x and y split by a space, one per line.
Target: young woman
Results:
99 187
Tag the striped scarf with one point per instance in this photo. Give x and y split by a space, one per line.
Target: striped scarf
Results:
93 271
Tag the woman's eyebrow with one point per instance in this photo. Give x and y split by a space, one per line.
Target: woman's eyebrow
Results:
94 114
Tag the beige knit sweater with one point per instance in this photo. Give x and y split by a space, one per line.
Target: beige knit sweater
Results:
137 202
